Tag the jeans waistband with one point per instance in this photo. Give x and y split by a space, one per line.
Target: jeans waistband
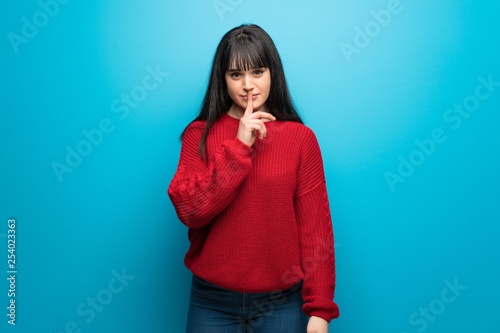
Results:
296 287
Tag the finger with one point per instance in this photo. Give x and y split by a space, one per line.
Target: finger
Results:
263 115
257 125
249 109
253 127
262 131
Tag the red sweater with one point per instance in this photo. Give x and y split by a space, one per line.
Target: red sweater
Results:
258 218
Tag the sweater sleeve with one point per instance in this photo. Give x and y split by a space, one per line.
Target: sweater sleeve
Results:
315 233
201 189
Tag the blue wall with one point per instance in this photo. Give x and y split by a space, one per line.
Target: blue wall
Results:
403 96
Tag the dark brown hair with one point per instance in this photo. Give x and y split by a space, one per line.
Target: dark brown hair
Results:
247 46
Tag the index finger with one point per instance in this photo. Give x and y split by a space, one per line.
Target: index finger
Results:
249 109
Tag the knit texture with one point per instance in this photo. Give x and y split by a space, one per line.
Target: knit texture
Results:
258 217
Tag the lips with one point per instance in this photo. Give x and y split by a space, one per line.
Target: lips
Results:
254 97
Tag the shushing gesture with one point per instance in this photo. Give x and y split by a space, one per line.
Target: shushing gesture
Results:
253 122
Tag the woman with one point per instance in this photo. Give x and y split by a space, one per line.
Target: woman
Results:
250 186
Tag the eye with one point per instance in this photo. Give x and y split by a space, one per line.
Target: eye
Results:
235 75
258 72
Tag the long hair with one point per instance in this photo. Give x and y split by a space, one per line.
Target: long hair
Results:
248 46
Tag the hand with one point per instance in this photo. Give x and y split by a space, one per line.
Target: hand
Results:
252 122
317 325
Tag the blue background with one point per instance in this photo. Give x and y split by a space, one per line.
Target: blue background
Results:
399 246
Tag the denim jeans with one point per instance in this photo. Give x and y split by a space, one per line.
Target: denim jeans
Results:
217 310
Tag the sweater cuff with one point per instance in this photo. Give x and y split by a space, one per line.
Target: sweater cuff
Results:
320 307
242 146
236 153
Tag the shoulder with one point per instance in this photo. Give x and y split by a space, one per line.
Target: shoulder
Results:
192 133
304 139
196 125
300 128
300 132
195 128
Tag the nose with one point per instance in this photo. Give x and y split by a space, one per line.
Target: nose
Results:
248 82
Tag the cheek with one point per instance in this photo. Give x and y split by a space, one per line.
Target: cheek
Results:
233 92
232 89
266 89
267 84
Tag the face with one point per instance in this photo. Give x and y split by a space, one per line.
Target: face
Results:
257 80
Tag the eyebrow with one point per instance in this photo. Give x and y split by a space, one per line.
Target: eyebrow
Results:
240 70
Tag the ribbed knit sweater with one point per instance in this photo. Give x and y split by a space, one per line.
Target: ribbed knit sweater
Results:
258 217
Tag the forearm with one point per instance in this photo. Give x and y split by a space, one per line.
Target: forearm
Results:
317 254
199 193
